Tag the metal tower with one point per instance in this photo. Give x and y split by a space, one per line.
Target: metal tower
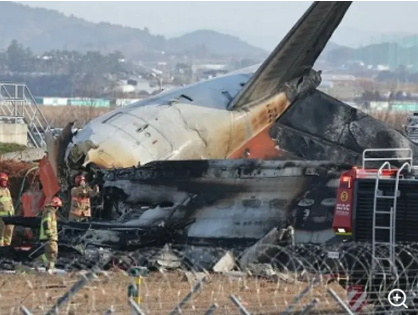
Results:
18 105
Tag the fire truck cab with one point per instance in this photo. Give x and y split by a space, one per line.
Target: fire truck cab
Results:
369 199
376 211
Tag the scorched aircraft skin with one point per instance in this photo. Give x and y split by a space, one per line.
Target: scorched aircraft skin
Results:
271 111
227 199
226 117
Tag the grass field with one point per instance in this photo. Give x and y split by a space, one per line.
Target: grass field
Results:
160 293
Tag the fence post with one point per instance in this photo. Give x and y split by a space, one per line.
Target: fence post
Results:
211 309
337 299
134 290
188 296
300 296
309 307
241 307
109 311
24 310
74 289
135 308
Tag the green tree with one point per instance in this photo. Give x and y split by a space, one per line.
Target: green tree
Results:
18 58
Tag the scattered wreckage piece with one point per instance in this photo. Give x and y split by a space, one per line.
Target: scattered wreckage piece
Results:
265 249
226 263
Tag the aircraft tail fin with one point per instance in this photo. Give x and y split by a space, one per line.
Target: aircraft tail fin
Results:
295 54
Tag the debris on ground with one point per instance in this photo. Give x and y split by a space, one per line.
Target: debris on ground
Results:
226 263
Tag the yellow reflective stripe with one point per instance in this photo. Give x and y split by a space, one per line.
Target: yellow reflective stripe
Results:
4 199
44 259
5 213
44 233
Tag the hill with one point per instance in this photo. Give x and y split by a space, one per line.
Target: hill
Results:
222 44
43 30
391 54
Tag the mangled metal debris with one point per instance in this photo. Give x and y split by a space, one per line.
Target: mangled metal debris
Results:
226 263
167 258
264 250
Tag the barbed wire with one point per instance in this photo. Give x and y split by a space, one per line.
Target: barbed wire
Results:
268 279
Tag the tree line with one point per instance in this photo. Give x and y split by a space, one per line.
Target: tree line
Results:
61 72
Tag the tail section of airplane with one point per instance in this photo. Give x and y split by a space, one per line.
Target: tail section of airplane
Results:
294 57
321 127
284 77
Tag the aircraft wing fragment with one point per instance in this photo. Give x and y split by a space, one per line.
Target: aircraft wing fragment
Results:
296 53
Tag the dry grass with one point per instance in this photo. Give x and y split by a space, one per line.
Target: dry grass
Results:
160 293
59 116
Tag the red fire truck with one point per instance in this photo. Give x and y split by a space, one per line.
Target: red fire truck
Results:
376 209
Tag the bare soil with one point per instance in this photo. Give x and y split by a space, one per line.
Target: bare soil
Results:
160 293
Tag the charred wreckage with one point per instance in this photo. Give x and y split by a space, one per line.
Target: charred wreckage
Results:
250 158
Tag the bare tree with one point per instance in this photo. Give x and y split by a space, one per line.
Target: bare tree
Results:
90 88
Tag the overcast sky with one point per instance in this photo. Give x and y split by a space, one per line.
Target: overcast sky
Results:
260 23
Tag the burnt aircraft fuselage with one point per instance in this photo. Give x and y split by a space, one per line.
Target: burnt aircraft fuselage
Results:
226 199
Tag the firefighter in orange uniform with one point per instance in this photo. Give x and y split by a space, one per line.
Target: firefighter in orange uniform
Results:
6 209
80 199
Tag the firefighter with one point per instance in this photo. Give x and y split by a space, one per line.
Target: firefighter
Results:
80 199
49 234
6 209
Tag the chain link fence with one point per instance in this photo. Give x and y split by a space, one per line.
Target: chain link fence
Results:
304 279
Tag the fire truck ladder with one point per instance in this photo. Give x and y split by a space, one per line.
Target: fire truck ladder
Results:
18 103
383 264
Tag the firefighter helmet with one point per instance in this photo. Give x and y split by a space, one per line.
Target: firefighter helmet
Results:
56 202
3 176
78 179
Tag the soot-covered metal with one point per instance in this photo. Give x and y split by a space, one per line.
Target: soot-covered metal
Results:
322 127
225 198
